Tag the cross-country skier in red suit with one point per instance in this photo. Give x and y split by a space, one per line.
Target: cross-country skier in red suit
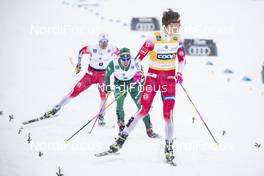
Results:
164 48
100 55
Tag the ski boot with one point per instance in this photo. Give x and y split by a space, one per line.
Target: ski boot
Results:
168 151
151 133
52 112
118 143
101 121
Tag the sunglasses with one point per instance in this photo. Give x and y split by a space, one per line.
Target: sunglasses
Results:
125 57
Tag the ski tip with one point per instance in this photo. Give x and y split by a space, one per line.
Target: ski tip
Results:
66 142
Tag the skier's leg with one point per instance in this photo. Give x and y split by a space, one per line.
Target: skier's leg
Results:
147 96
65 100
83 84
103 96
146 99
120 113
101 88
135 95
168 95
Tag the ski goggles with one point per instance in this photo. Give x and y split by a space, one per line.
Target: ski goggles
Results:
125 57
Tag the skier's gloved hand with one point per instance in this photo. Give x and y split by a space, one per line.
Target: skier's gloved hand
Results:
107 89
78 68
178 78
138 77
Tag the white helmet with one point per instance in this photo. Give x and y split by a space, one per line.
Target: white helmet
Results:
103 37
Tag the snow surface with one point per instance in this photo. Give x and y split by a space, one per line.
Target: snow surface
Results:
37 39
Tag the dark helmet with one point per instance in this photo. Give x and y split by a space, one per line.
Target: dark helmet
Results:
169 16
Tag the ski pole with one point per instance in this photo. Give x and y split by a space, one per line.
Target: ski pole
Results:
119 96
88 121
93 117
101 111
93 125
199 114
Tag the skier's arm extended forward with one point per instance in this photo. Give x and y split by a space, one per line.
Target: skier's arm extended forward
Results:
147 47
83 51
